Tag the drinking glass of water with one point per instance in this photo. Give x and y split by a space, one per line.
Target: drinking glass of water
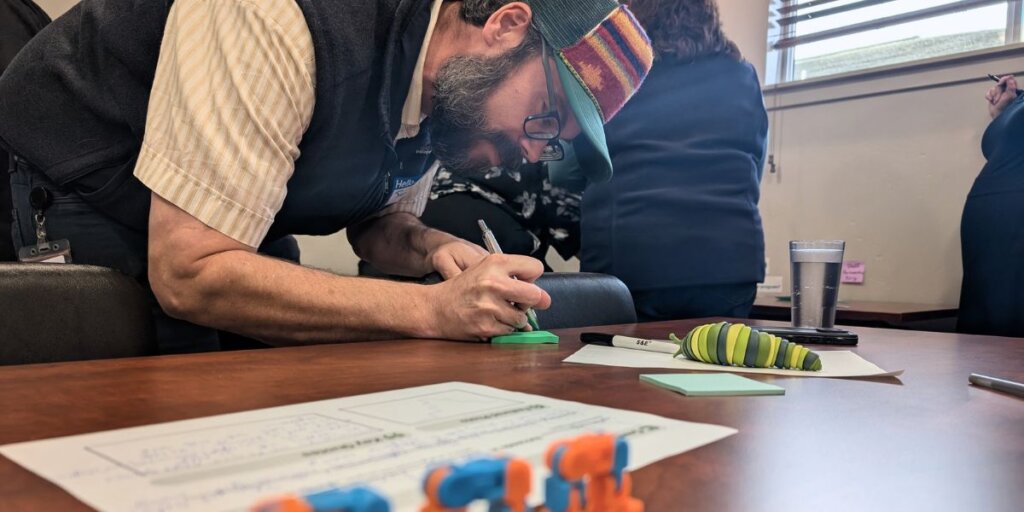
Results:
816 267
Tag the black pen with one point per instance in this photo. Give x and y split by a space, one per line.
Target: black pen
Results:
1006 386
996 79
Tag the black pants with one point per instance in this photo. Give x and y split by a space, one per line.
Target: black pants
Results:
992 246
731 300
7 252
97 239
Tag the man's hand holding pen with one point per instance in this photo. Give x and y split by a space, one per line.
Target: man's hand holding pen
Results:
489 299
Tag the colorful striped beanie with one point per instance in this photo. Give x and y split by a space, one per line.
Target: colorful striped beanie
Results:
603 56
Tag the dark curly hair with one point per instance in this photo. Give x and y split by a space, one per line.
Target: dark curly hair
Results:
476 12
684 30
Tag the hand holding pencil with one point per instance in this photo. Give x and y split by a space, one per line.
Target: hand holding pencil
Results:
492 247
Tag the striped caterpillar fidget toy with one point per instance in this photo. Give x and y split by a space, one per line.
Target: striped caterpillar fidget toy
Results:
738 345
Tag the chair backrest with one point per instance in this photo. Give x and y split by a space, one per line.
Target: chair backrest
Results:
66 312
580 299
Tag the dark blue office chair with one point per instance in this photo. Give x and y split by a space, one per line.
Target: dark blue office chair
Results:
66 312
580 299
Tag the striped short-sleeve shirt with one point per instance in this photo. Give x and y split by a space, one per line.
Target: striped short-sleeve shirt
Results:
233 94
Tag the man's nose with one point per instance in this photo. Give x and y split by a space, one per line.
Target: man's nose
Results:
532 148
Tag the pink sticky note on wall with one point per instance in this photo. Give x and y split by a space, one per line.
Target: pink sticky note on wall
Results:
853 272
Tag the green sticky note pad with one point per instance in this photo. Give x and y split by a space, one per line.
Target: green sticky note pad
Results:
525 338
711 384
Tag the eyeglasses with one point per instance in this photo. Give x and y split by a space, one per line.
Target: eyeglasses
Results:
547 125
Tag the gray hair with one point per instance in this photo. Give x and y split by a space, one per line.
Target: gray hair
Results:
461 90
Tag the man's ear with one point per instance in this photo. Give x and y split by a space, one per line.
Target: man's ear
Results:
507 27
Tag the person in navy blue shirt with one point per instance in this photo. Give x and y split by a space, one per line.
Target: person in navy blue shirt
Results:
679 222
992 226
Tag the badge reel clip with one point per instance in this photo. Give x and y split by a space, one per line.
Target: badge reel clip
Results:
44 251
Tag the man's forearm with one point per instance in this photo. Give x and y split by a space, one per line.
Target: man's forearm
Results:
283 303
397 244
203 276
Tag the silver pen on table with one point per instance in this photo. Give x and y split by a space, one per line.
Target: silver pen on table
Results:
1006 386
492 247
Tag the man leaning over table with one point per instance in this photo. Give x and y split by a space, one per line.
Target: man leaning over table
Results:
176 139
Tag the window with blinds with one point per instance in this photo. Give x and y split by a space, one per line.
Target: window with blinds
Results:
817 38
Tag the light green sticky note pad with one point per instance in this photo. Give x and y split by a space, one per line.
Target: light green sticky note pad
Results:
526 338
711 384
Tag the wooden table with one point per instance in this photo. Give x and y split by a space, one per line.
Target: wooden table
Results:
857 311
926 441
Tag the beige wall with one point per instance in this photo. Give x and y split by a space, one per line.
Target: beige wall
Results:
885 170
746 23
55 8
332 253
888 174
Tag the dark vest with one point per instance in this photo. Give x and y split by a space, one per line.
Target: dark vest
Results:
74 102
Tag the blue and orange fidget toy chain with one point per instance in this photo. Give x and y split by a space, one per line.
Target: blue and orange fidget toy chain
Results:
587 474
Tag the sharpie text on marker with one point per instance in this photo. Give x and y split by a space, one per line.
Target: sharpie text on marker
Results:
615 340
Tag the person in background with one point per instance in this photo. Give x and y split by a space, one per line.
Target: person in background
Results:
20 20
992 226
526 213
679 221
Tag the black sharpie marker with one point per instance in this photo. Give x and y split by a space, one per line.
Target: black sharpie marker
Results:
614 340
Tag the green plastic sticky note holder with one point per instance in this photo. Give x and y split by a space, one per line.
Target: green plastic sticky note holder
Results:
525 338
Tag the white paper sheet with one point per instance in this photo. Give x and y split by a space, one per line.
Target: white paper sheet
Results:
386 439
834 363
